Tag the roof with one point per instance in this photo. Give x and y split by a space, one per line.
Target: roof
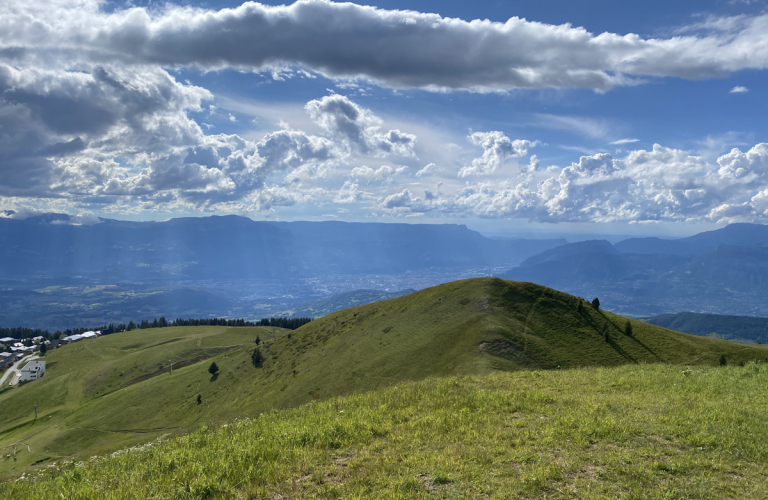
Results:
34 366
7 339
89 335
74 338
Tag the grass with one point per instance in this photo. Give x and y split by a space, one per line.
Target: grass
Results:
635 432
115 391
109 393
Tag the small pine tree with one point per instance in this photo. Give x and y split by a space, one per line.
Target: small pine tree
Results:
605 334
628 328
256 358
199 399
258 340
580 308
213 368
43 349
596 303
723 362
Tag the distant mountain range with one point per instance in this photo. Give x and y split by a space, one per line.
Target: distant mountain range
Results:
738 328
232 247
236 266
723 271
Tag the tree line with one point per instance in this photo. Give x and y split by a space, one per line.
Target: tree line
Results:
27 333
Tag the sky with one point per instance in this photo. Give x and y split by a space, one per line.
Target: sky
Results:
525 117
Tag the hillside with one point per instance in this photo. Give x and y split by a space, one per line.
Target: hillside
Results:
116 390
648 431
740 328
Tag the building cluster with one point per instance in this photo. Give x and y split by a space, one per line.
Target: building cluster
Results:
19 350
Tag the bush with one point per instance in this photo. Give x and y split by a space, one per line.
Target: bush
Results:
580 308
199 399
258 340
596 303
723 362
628 328
213 368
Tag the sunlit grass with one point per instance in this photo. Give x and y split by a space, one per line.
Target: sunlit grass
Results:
648 431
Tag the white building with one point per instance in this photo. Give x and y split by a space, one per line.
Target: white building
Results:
32 371
89 335
7 340
71 338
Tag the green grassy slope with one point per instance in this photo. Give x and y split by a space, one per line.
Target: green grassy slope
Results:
634 432
472 327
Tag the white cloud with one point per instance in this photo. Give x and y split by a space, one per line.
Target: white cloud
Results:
624 141
497 148
428 169
396 48
738 89
358 128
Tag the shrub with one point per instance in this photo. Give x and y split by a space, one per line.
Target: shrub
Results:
723 362
628 328
199 399
258 340
596 303
213 368
580 308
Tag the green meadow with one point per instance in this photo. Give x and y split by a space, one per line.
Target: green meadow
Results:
635 432
391 363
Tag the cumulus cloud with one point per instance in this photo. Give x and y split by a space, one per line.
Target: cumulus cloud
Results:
368 174
497 148
661 184
358 128
738 89
428 169
396 48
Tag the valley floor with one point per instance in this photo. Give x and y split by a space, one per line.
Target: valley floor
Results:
637 431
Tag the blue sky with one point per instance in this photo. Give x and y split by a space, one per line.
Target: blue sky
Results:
524 127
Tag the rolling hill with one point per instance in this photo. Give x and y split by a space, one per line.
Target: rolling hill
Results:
117 390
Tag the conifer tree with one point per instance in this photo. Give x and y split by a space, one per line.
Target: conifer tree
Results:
213 368
256 358
628 328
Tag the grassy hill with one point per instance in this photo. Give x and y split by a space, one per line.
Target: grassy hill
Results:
634 432
738 328
115 391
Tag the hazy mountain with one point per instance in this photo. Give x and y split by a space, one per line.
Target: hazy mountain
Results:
722 326
233 247
699 244
716 278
